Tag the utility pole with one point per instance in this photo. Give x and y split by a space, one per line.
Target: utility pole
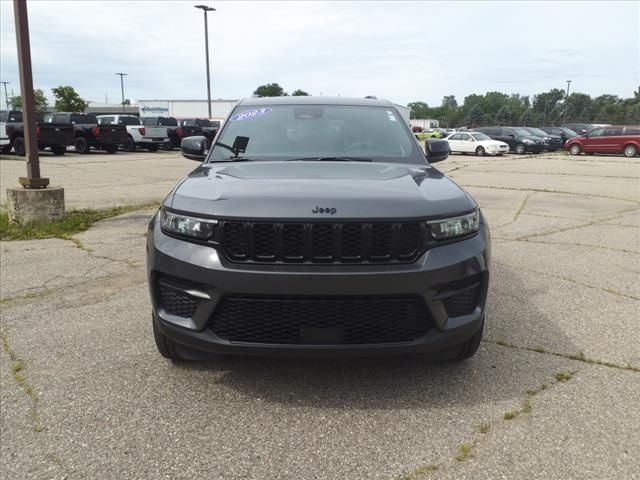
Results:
566 101
206 9
122 75
6 97
33 179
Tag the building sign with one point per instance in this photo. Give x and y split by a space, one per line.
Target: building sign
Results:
154 109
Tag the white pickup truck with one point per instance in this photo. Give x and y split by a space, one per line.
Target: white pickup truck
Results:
5 143
151 138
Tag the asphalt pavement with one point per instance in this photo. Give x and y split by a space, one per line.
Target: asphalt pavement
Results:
551 394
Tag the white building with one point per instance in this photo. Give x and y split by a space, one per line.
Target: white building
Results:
186 108
425 123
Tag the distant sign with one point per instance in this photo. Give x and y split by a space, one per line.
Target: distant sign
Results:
147 109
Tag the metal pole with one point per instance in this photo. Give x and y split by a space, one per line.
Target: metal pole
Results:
32 180
122 75
6 97
566 102
206 49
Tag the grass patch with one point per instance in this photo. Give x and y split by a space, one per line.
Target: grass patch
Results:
74 221
510 414
537 390
483 427
564 376
464 452
526 406
16 366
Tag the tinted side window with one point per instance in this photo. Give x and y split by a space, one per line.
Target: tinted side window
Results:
505 132
612 131
148 121
457 136
60 118
632 131
465 136
598 132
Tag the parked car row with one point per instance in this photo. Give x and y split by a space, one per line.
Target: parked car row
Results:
85 131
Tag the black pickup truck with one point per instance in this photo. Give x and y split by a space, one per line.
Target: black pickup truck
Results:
88 133
175 132
54 136
209 128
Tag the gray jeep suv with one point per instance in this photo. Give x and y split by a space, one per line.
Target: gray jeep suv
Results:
317 225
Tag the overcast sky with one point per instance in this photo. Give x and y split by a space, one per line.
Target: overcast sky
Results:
404 51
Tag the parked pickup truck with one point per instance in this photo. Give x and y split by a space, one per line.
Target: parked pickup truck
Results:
88 133
209 127
50 135
175 132
147 137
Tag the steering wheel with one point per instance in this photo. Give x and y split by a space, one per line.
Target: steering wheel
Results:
361 145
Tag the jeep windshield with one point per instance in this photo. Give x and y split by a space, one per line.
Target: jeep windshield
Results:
290 132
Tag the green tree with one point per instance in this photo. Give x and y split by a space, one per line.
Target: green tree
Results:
270 90
526 117
418 110
39 99
475 116
68 100
299 93
504 116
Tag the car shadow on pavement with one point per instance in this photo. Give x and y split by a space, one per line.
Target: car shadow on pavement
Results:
495 372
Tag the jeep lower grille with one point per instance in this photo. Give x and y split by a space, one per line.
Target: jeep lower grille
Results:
268 242
321 320
173 299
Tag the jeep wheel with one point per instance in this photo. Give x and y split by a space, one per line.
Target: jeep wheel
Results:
520 148
480 151
630 151
163 344
58 149
168 146
470 347
81 145
129 145
19 146
575 149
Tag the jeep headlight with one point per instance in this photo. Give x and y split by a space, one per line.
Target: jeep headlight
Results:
187 226
455 227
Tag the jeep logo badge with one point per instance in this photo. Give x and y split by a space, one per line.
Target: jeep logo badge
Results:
330 211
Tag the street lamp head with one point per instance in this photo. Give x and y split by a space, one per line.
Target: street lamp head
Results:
119 73
205 8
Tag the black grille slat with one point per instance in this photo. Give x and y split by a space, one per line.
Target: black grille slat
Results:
322 242
264 241
352 320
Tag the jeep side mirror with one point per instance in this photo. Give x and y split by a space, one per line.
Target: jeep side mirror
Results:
437 150
193 148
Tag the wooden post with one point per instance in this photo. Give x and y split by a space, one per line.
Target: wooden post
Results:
33 179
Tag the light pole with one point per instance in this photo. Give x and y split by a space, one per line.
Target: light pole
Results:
122 75
206 9
6 97
566 102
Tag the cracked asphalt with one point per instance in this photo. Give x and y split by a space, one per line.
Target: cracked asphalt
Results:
84 393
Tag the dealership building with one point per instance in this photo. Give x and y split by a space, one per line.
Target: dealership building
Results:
186 108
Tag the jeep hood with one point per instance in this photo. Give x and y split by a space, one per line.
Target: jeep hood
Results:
292 190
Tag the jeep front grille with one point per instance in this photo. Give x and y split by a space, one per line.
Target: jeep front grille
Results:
268 242
321 320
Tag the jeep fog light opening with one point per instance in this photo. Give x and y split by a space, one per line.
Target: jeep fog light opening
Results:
185 226
455 227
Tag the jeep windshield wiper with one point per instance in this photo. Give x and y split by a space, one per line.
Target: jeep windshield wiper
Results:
330 159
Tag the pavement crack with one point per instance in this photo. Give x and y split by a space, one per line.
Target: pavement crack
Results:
567 279
546 190
519 211
466 450
579 357
17 367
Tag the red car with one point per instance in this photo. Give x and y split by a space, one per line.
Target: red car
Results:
610 139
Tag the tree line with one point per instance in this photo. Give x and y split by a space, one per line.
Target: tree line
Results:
66 99
544 109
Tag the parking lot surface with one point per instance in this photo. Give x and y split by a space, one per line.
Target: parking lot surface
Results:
551 394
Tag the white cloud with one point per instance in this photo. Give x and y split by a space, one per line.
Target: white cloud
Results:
402 51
